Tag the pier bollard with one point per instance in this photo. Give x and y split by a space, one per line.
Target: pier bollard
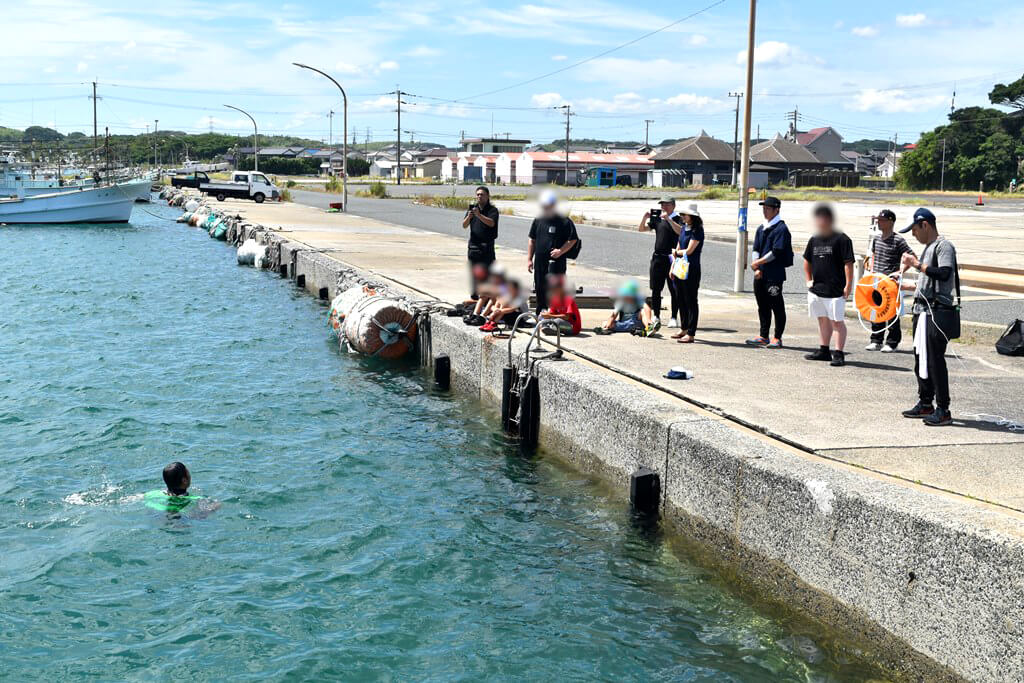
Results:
443 371
645 491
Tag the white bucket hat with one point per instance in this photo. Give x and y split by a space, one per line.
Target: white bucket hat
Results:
690 210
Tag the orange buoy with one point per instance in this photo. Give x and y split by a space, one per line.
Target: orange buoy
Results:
877 298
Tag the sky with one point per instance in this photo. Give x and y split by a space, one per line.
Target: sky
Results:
870 69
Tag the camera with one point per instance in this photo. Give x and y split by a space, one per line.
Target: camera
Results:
655 219
471 207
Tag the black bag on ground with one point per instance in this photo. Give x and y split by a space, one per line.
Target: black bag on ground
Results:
1012 341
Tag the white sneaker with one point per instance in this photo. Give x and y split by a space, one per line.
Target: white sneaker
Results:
888 349
672 323
873 347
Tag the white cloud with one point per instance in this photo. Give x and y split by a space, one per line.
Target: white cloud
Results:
911 20
130 45
770 52
558 58
633 103
893 102
82 66
865 31
547 99
697 40
389 65
422 51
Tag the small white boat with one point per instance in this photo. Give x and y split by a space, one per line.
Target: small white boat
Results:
99 204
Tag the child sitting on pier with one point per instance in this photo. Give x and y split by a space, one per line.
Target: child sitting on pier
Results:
561 308
488 292
508 306
631 314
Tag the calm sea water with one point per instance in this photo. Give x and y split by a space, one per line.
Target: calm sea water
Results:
370 528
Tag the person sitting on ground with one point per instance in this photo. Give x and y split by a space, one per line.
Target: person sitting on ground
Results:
488 293
506 308
561 308
631 313
176 498
828 266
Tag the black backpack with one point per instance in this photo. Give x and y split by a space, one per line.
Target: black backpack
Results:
1012 341
575 251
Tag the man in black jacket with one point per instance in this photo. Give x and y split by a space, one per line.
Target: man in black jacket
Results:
482 220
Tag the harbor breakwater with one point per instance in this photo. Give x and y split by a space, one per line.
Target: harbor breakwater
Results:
928 582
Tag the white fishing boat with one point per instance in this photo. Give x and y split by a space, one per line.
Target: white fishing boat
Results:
97 204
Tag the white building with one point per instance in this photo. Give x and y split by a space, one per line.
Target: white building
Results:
549 167
887 169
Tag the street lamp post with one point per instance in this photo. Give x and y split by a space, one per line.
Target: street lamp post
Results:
255 138
344 138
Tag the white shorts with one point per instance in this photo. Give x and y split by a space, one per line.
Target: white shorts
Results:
820 307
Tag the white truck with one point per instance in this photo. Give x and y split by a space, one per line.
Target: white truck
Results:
243 185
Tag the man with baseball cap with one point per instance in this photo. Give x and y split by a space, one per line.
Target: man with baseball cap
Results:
773 253
936 317
885 251
666 229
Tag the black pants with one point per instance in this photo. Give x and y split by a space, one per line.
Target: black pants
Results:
540 280
891 338
936 387
661 265
479 255
769 299
689 308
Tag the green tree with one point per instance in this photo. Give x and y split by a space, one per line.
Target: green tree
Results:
1011 95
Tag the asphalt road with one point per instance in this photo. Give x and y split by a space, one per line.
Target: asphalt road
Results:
617 250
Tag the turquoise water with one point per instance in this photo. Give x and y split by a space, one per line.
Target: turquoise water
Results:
370 528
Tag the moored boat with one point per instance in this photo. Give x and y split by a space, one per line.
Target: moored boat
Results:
99 204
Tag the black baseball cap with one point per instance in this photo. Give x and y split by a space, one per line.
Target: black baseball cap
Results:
772 202
921 214
886 214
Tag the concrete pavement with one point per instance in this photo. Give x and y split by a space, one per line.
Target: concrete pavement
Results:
848 414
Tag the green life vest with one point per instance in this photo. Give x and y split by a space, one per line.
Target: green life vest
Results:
162 501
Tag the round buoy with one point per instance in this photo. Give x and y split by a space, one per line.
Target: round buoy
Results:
877 298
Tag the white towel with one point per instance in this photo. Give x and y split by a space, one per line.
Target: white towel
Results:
921 345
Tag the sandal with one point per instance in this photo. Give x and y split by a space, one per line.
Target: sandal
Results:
686 339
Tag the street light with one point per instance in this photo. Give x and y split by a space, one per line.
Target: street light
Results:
344 139
255 138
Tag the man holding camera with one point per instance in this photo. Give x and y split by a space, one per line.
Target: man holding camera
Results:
664 222
482 220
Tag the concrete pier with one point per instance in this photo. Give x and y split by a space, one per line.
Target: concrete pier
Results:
908 540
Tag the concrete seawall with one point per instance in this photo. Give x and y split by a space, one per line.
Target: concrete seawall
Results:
928 582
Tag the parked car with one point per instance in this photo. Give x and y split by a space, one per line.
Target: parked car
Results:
243 185
193 180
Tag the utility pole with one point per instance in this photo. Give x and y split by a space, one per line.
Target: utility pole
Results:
942 173
95 136
647 131
795 115
736 137
568 113
330 134
741 228
156 151
398 133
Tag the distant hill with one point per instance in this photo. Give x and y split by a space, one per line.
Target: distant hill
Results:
865 146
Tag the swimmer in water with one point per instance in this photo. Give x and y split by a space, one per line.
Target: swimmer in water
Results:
176 498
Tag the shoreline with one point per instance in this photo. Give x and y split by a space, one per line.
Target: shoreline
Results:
883 563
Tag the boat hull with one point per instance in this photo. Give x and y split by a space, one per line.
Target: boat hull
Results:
93 205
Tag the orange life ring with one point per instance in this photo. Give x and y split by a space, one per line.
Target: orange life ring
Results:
877 298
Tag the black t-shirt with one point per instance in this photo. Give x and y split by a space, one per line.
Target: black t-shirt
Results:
665 237
482 234
828 257
551 233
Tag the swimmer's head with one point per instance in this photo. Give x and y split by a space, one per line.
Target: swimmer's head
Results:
177 478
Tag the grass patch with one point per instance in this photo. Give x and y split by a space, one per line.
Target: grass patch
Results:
377 190
462 203
717 193
286 195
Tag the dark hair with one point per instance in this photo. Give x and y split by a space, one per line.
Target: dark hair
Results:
174 476
484 188
824 210
696 222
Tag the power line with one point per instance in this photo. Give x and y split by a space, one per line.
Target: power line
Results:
598 55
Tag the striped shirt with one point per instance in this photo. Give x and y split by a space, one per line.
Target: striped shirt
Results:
886 253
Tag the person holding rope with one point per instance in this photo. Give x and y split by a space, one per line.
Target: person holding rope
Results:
936 317
886 251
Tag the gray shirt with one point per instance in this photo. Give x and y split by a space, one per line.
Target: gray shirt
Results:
940 253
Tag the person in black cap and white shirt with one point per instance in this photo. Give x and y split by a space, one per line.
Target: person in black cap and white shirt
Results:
934 304
885 252
666 237
773 253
